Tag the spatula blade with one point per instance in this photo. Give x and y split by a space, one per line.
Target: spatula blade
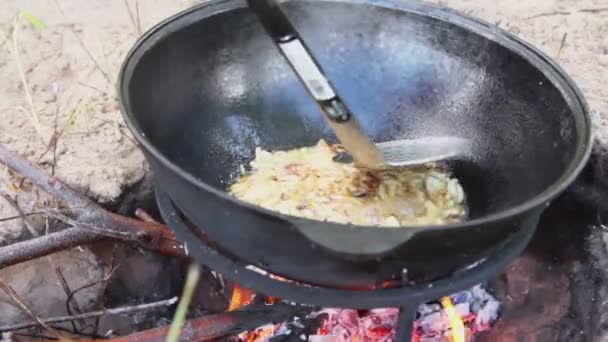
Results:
423 150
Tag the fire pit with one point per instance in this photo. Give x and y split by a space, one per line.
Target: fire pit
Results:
204 88
531 295
407 298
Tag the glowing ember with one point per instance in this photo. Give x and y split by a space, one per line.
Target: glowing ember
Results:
351 325
261 334
454 318
456 323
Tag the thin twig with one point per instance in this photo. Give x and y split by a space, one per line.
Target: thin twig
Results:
68 291
52 144
22 215
547 14
21 303
584 10
17 217
110 232
100 313
136 26
131 16
114 264
594 10
113 267
90 54
89 285
102 92
561 45
55 139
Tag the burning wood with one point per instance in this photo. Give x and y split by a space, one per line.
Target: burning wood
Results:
241 297
220 325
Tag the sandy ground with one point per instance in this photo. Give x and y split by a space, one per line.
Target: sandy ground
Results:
70 67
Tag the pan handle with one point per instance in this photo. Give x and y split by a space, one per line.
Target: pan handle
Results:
355 241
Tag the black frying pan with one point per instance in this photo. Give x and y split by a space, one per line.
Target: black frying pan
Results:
202 89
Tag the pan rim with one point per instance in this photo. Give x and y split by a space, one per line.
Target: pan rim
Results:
545 64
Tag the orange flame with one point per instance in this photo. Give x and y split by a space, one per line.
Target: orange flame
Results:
240 298
458 331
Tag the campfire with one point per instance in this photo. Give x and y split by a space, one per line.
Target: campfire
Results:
95 252
455 318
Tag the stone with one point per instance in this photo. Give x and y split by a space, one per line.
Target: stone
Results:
37 283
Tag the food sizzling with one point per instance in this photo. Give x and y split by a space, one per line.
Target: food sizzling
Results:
308 183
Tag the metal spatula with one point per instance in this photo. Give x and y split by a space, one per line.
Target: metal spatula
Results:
344 124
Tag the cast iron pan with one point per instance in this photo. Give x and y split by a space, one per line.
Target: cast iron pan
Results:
203 88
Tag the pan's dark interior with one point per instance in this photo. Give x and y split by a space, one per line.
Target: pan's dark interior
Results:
212 90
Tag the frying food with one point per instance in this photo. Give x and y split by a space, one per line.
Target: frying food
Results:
307 182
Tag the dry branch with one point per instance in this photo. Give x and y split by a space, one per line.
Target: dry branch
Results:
45 245
95 314
49 184
222 325
90 222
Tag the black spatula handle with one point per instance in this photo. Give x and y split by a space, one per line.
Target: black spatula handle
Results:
278 26
273 19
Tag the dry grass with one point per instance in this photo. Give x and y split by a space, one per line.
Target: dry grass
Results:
12 42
